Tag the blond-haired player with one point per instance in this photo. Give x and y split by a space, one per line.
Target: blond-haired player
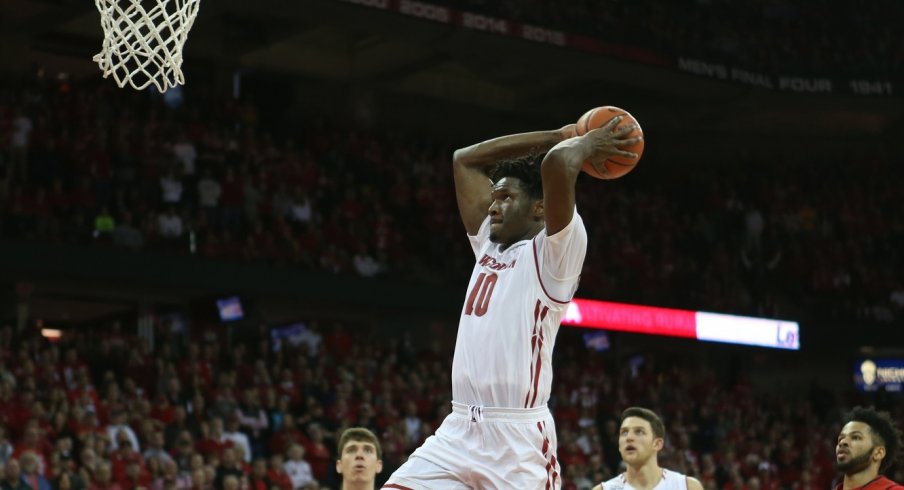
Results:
640 438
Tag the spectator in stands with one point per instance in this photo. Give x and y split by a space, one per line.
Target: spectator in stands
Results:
252 421
6 447
119 431
169 224
230 465
230 482
277 473
209 191
125 234
298 469
35 443
171 188
68 481
155 448
238 439
171 478
30 474
103 478
22 127
12 477
259 479
104 225
186 155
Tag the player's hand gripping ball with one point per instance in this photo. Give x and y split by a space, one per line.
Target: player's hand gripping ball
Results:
616 165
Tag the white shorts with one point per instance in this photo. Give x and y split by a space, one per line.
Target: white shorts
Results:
485 448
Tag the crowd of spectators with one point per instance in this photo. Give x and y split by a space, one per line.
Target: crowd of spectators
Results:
105 409
775 36
94 165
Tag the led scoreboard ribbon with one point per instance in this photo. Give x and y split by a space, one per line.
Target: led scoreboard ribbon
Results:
700 325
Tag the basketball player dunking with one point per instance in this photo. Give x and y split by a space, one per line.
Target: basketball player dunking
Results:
529 242
640 439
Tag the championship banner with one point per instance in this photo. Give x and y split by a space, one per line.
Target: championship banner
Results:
786 83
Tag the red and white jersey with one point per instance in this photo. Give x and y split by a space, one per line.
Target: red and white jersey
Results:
513 305
670 481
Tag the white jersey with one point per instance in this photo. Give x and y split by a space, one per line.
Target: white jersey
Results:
513 305
670 481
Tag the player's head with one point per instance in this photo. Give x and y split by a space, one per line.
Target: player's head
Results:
641 436
360 455
869 438
516 212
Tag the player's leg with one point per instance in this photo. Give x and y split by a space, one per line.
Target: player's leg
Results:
441 463
420 474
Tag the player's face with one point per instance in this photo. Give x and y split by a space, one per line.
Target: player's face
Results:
358 462
855 450
512 212
636 441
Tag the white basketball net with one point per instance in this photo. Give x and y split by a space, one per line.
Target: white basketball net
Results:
144 46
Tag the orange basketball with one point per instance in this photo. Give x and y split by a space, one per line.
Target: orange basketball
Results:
615 166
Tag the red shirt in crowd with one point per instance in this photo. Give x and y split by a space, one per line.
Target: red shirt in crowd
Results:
279 478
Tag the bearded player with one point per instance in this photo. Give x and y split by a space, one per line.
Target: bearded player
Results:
867 446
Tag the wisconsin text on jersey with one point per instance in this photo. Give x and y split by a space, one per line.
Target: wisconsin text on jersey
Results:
491 263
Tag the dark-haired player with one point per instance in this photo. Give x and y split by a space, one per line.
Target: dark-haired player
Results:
867 445
518 208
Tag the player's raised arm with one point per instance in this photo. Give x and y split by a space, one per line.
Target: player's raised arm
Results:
470 166
563 163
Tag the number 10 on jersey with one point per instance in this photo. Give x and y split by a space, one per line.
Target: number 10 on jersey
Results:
479 299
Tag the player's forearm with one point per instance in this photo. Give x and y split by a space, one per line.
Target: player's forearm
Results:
570 154
487 153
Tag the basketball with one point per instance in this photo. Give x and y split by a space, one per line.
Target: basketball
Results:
615 166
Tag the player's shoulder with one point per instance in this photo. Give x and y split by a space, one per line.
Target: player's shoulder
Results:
885 483
692 483
575 225
616 483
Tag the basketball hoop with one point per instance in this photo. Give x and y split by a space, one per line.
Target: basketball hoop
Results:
144 45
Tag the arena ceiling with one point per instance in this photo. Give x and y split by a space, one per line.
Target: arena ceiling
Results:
343 44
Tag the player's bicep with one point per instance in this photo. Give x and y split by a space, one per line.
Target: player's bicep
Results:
560 258
559 172
472 191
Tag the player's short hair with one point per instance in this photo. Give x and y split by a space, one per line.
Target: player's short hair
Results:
884 432
648 415
526 169
359 434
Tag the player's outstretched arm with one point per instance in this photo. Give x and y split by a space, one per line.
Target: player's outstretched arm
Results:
598 487
563 163
470 166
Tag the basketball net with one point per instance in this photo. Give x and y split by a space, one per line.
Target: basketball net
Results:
144 45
